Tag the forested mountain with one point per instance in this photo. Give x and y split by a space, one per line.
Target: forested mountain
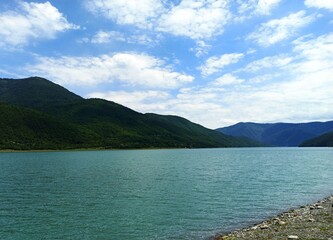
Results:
38 114
325 140
279 134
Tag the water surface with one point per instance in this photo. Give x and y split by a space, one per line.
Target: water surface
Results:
154 194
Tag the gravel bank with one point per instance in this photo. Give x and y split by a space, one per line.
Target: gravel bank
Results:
311 222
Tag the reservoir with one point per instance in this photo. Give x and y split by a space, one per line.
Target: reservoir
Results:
155 194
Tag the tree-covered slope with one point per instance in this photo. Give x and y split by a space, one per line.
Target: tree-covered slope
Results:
325 140
34 92
24 129
279 134
107 124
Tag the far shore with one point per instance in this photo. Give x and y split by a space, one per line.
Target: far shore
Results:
87 149
119 149
310 222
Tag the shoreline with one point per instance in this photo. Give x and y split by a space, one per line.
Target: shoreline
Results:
312 222
121 149
86 150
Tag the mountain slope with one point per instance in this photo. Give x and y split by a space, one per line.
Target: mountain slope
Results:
279 134
23 129
325 140
34 92
107 124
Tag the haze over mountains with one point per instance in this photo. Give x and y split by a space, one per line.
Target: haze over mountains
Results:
38 114
283 134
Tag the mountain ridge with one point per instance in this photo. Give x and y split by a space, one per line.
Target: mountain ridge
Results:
279 134
106 124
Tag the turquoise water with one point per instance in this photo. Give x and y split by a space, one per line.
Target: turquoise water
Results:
154 194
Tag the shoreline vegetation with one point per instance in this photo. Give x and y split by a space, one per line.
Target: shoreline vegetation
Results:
309 222
85 149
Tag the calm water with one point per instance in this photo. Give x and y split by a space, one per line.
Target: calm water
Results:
156 194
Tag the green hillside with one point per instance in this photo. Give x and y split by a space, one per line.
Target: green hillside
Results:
24 129
34 92
325 140
70 121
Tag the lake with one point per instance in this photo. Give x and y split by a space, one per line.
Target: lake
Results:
155 194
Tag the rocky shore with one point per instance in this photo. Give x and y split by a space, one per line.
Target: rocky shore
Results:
311 222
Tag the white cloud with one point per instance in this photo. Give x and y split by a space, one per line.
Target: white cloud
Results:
277 30
304 94
139 13
201 48
107 36
227 80
144 39
278 61
196 19
265 6
128 68
328 4
31 21
143 101
259 79
215 64
316 55
259 7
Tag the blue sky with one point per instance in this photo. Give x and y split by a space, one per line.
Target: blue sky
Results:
215 62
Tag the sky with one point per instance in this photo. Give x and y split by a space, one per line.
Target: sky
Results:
214 62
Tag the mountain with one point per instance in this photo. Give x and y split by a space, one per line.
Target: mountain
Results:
325 140
34 92
23 128
279 134
70 121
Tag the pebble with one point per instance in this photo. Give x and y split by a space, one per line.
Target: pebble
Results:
290 237
264 226
282 223
304 214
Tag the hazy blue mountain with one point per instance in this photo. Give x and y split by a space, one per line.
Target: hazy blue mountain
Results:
100 123
279 134
325 140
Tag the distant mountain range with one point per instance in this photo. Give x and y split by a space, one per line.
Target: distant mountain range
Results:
284 134
38 114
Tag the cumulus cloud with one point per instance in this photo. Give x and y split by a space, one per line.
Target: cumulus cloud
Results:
227 80
316 55
199 20
143 101
259 7
139 13
127 68
277 30
303 94
215 64
319 4
31 21
196 19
